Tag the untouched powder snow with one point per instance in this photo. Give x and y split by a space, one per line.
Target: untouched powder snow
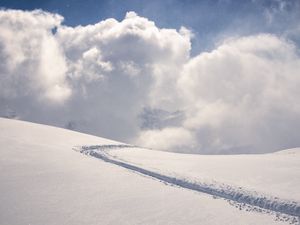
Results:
43 181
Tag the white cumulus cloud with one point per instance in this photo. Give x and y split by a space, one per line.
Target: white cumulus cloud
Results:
32 63
105 78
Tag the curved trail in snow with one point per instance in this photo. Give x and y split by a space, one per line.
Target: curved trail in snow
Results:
277 205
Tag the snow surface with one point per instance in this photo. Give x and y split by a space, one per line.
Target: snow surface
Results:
276 174
229 192
43 181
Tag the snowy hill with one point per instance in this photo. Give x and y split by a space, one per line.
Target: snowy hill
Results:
45 180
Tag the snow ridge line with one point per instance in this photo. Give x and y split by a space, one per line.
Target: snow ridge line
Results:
291 208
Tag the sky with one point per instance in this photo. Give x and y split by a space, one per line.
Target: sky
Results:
188 76
209 20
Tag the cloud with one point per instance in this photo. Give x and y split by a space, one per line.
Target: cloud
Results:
32 63
104 74
170 138
118 68
239 98
243 95
133 81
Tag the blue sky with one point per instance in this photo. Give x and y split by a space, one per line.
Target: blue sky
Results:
209 20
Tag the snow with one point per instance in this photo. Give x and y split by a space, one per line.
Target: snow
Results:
44 181
236 193
276 174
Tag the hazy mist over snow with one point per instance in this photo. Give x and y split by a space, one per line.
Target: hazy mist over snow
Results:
133 81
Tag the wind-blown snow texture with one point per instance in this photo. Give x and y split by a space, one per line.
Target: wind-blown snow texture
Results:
43 181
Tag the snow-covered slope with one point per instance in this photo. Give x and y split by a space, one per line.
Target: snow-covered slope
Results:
44 181
269 181
276 174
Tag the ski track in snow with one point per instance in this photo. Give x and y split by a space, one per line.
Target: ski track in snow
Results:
237 195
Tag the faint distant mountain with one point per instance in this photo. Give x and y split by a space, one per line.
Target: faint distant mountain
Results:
153 118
